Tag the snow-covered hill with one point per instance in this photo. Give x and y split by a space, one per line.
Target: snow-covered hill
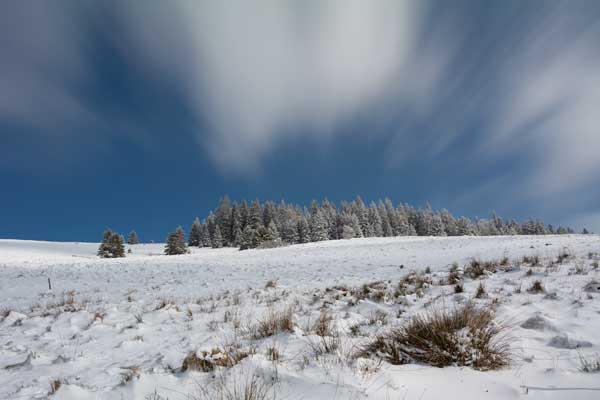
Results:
122 328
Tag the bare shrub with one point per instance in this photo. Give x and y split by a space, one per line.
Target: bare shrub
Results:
274 322
466 336
458 288
536 287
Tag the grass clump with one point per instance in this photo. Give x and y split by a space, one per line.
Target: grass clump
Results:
480 293
466 336
208 360
274 322
536 287
589 365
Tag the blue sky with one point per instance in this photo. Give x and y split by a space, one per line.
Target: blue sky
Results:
140 115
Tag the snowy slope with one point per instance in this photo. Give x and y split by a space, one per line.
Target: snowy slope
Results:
121 328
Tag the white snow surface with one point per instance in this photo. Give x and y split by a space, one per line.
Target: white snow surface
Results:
121 328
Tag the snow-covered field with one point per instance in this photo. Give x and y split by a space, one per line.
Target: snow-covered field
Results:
122 328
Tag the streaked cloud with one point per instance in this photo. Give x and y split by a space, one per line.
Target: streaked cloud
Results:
516 80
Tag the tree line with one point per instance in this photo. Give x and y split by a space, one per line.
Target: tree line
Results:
270 224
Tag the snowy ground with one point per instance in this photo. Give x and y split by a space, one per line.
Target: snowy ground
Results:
121 329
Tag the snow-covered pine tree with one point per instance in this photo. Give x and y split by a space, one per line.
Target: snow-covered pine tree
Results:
437 226
176 243
386 227
463 227
217 239
247 241
355 224
360 210
195 233
104 248
273 231
392 217
268 213
212 225
132 238
404 228
237 237
347 232
303 230
289 225
255 215
425 221
243 215
318 230
204 235
112 245
222 219
449 222
375 220
236 225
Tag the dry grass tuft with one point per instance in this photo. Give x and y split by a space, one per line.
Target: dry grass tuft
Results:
239 385
271 284
208 360
55 384
478 268
274 322
589 365
323 325
466 336
480 293
536 287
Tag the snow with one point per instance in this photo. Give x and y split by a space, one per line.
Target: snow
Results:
121 328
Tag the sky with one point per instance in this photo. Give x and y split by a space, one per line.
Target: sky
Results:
141 115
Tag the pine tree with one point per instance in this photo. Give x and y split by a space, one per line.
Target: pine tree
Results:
132 238
437 226
236 225
195 233
463 227
112 245
176 243
318 231
303 230
375 221
222 219
204 235
247 241
217 240
255 215
243 215
237 237
355 225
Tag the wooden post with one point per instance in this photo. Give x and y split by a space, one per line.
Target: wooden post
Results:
49 284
